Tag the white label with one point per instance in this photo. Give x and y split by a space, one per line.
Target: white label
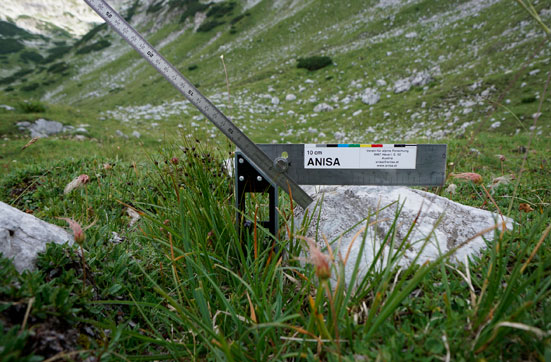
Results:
387 156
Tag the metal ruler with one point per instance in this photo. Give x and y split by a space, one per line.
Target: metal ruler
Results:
184 86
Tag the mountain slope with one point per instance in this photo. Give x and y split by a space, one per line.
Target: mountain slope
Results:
49 17
409 70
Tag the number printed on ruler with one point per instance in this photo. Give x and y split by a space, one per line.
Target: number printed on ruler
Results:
360 156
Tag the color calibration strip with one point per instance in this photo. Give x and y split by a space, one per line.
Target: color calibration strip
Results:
361 145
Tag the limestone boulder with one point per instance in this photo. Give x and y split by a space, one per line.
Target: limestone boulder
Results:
437 225
23 236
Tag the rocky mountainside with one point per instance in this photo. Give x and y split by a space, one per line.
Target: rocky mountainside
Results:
413 69
72 18
37 31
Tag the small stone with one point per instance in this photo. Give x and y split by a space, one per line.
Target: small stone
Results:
136 134
323 107
43 128
495 125
120 133
402 85
381 82
421 79
346 100
411 35
275 101
290 97
6 107
370 96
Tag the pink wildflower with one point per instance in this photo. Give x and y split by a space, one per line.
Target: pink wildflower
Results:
78 233
319 260
471 176
77 182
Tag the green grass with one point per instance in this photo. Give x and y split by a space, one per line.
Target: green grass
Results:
182 284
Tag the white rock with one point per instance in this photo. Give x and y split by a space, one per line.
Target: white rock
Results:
136 134
312 130
411 35
339 135
23 124
402 85
441 225
421 79
43 128
381 82
290 97
346 100
370 96
323 107
495 125
275 101
309 81
120 133
23 236
6 107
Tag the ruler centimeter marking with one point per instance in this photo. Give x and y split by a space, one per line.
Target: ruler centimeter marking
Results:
184 86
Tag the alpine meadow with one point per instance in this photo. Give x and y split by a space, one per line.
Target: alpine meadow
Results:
94 140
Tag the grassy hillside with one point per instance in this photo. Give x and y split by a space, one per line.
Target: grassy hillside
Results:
177 282
479 58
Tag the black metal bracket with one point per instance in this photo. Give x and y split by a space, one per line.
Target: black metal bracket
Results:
249 179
